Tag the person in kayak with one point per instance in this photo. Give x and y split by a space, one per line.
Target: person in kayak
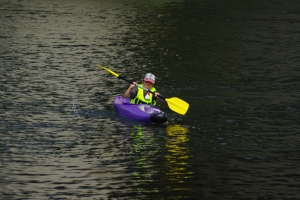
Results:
141 96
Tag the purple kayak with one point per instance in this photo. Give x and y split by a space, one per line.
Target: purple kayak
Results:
139 112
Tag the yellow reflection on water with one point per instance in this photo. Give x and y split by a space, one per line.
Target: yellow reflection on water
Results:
178 154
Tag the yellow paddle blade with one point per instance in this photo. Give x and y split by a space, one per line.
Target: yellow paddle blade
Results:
108 70
178 105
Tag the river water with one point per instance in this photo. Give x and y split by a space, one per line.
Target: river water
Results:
235 62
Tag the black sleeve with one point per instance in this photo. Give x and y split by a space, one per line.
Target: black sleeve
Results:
133 92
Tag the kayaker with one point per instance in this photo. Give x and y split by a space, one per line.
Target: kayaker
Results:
140 96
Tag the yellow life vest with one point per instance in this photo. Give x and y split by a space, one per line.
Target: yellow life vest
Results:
140 98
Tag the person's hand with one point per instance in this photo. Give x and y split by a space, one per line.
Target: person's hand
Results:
156 94
127 93
133 85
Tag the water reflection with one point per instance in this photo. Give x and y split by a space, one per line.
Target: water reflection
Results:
177 157
143 140
143 150
157 160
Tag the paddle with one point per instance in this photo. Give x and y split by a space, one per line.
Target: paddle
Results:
174 103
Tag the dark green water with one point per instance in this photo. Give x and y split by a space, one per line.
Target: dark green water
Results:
235 62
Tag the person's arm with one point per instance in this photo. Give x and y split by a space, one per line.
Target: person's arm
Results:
155 97
127 93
